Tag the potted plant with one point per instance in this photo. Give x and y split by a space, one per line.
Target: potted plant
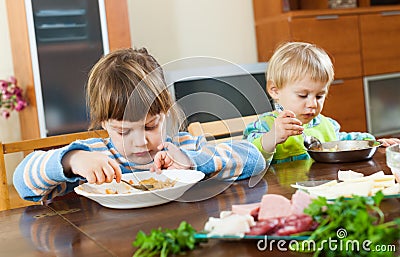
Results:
11 97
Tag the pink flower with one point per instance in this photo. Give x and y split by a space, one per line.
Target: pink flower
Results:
13 80
7 95
20 105
11 97
4 85
18 92
6 114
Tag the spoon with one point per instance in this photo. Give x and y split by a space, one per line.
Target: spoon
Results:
310 142
143 187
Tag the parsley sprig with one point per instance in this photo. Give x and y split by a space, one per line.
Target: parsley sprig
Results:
362 220
165 241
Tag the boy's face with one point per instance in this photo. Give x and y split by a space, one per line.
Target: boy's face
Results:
304 97
137 141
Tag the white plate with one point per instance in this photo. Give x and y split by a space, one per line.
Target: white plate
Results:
128 197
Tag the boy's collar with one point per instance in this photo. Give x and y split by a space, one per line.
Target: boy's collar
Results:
314 122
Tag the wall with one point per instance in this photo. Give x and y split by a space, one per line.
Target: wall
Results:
10 128
183 28
6 65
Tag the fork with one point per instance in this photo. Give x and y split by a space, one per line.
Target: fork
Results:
143 187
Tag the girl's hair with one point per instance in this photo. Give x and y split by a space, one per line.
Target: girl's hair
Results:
128 84
292 61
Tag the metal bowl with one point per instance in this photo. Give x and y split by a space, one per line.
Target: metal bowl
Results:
345 151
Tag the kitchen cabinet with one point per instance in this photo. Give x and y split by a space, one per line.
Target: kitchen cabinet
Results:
62 37
341 100
361 41
381 42
335 34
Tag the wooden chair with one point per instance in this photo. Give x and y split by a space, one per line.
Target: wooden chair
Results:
221 130
27 146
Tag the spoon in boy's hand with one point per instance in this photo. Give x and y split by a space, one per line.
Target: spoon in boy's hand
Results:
310 142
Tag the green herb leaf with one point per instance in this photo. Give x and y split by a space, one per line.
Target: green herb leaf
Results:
360 218
163 242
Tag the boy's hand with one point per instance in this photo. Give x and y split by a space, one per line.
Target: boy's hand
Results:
94 166
170 157
285 125
389 141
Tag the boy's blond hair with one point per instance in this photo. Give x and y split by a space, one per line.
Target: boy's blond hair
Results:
292 61
128 84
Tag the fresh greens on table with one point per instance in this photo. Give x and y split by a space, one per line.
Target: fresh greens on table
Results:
161 242
347 220
345 223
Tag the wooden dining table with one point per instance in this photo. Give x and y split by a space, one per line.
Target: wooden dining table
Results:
78 226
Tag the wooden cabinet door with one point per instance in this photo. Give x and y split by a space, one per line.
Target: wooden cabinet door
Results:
380 34
338 35
118 34
345 104
266 44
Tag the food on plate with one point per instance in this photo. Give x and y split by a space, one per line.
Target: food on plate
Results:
179 181
354 220
332 149
278 206
283 226
345 151
243 209
274 215
344 175
229 224
110 191
354 183
300 201
349 145
157 184
336 149
149 184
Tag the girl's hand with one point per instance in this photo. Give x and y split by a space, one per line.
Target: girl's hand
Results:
389 141
94 166
285 125
170 157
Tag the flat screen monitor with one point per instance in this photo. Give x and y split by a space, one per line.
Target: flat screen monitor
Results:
223 92
382 101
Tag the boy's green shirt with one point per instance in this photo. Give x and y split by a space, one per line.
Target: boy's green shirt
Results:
323 128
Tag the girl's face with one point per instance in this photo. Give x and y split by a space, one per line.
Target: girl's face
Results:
304 97
137 141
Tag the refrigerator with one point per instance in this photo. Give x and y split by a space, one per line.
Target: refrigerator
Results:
67 37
